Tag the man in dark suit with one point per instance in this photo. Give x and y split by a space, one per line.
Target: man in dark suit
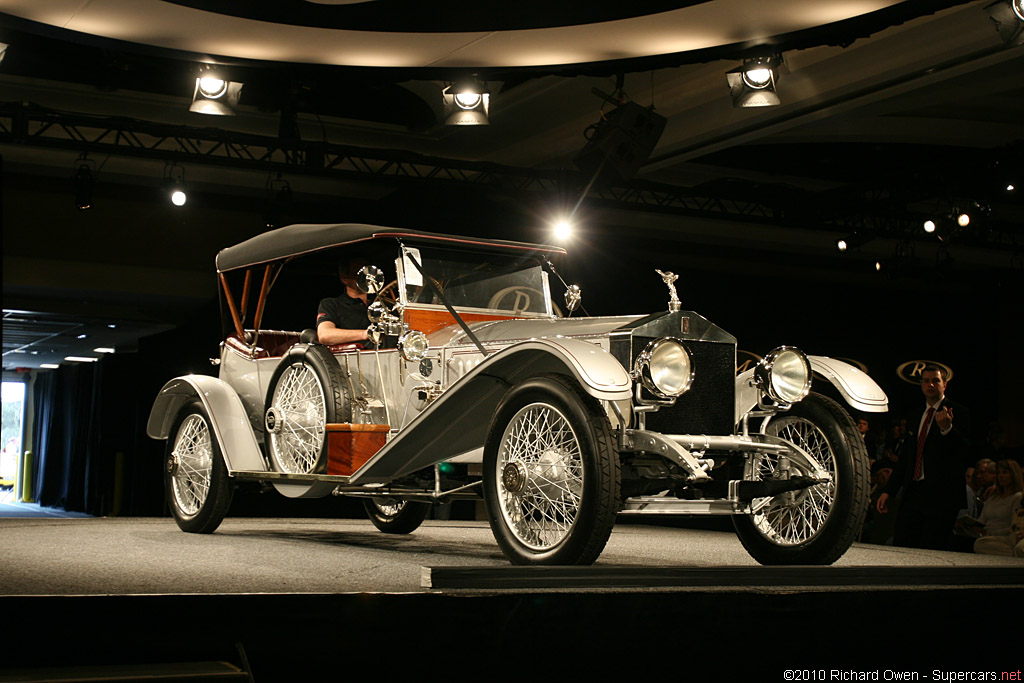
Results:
932 474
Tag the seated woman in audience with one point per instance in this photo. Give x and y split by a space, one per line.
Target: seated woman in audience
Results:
1001 512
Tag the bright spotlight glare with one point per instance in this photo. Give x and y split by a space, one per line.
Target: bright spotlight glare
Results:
212 87
1010 188
878 265
929 226
178 197
563 230
841 245
758 78
963 220
468 99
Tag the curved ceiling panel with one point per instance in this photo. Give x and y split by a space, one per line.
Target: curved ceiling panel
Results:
215 31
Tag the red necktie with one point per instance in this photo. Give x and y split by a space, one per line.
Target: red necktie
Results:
919 463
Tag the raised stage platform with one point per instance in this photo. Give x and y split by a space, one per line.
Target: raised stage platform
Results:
290 599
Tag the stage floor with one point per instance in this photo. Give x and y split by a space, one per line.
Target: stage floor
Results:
126 556
290 599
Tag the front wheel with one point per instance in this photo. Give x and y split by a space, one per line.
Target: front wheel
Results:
551 474
195 478
394 516
818 524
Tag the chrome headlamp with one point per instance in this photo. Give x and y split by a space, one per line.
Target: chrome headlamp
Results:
784 375
665 368
413 345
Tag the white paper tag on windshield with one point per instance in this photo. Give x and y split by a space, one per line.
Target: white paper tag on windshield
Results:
413 277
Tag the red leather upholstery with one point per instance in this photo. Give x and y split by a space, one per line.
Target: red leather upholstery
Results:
275 343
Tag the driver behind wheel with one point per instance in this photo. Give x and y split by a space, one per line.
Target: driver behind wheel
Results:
342 319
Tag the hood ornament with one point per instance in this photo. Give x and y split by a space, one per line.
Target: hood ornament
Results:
669 279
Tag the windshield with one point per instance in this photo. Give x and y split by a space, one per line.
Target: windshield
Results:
492 281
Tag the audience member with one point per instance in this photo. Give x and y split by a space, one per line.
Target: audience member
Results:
1001 508
878 526
864 427
931 477
984 477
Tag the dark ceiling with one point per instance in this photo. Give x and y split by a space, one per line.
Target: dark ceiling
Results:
892 113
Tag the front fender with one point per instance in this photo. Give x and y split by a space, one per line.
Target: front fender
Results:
855 386
228 419
457 421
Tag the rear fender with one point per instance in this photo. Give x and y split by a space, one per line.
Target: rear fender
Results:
228 419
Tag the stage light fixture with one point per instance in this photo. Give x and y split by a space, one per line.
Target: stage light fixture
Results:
929 226
214 94
963 220
467 102
563 230
1008 17
852 241
753 84
1010 187
174 184
84 180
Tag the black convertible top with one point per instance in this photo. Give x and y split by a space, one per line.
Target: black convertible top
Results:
294 240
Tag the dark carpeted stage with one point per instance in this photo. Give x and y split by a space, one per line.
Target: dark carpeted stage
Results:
290 599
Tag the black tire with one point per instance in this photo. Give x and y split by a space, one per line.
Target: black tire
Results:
816 525
551 474
196 480
394 516
306 392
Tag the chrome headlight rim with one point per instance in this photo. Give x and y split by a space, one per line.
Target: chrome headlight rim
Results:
767 370
642 369
413 346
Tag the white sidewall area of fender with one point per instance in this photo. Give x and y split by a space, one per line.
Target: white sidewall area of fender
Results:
228 419
599 373
859 390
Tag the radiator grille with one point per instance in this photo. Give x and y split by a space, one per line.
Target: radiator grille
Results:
707 408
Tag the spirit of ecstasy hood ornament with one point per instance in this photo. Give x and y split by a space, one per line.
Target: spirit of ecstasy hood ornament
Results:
669 279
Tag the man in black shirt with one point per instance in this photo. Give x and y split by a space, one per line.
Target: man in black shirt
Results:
342 319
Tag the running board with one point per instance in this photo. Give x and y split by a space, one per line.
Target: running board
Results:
245 475
660 505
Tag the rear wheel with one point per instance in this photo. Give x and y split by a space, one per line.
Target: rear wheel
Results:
195 478
818 524
306 392
551 474
394 516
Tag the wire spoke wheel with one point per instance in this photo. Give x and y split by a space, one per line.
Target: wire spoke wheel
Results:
193 454
195 476
551 474
817 524
541 463
301 413
796 517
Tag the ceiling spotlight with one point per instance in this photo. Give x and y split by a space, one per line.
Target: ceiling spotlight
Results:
214 94
851 241
84 181
753 84
878 266
929 226
963 220
466 102
1010 187
1008 17
174 184
563 230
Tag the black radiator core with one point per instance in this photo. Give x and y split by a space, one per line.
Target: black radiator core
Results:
707 408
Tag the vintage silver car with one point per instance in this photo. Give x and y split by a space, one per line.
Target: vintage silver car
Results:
482 386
